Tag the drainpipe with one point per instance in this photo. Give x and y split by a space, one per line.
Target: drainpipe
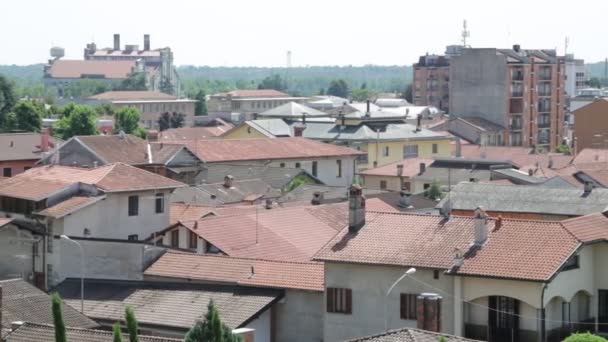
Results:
543 332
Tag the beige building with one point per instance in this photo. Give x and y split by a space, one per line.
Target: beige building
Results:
247 102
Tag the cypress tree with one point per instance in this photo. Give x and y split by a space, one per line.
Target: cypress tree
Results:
60 333
117 332
131 324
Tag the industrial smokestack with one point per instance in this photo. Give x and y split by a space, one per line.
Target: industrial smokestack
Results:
116 41
146 42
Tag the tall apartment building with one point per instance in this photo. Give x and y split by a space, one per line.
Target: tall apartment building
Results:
521 90
575 75
432 79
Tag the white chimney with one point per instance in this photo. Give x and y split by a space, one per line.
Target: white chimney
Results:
356 208
458 257
481 230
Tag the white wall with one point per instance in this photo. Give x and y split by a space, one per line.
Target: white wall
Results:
299 316
261 325
326 169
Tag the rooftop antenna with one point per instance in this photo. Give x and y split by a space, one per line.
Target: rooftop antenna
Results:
465 33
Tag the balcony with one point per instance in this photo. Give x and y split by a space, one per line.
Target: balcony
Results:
517 76
515 127
517 93
544 125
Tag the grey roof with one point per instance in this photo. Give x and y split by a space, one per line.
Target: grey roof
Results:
454 176
292 110
410 335
276 177
23 302
392 102
393 131
272 127
176 306
193 195
22 146
558 182
240 190
519 177
331 194
29 332
527 199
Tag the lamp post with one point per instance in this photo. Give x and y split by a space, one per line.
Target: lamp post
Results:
407 273
66 238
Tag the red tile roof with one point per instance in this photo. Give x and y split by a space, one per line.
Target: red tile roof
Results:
133 95
69 206
521 156
188 212
22 146
241 271
592 158
64 68
411 167
589 228
4 221
265 149
41 182
532 250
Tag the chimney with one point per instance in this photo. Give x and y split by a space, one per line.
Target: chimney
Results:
95 164
588 188
481 231
116 41
428 312
550 162
228 181
317 198
498 223
530 172
418 123
458 147
405 201
367 110
146 42
422 168
458 257
356 208
268 204
516 48
399 169
44 140
298 130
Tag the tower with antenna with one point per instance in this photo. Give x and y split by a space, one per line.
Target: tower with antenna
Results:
465 33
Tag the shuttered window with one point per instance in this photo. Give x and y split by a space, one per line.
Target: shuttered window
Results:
408 306
339 300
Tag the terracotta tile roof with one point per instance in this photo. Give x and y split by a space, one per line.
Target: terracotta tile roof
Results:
188 212
266 149
427 241
69 206
64 68
46 333
286 234
592 158
22 146
4 221
266 273
252 93
410 335
589 228
133 95
41 182
519 155
114 148
411 167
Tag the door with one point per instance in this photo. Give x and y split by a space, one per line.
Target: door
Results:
503 319
602 315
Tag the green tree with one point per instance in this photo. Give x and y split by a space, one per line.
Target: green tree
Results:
584 337
562 148
60 333
67 109
105 109
322 91
117 332
211 329
173 120
26 116
361 94
408 93
273 82
338 88
131 324
126 119
594 82
135 81
82 120
434 191
7 97
200 108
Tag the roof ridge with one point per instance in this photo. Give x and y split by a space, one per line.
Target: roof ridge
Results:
467 217
312 262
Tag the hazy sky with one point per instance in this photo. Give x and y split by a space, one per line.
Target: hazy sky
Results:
327 32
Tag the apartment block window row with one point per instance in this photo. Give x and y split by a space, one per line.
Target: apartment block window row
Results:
339 300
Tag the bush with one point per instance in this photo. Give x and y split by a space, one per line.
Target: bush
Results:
584 337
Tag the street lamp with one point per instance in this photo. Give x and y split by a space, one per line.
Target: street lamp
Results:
66 238
407 273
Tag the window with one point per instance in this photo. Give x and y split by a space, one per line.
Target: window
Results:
435 274
314 168
133 205
282 165
193 240
382 185
572 263
339 300
426 186
339 168
133 237
435 148
298 165
175 238
159 203
385 151
410 151
406 186
7 172
407 307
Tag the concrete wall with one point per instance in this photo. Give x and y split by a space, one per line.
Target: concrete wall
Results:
262 327
478 85
299 317
369 285
16 257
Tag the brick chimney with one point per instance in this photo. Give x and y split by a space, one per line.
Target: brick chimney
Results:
399 169
268 203
146 42
481 230
317 198
428 312
44 140
228 180
356 208
298 130
116 41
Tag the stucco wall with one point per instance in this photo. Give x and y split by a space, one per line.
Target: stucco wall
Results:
299 317
261 325
369 285
395 150
15 253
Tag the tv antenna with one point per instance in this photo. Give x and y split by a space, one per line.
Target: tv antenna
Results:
465 33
